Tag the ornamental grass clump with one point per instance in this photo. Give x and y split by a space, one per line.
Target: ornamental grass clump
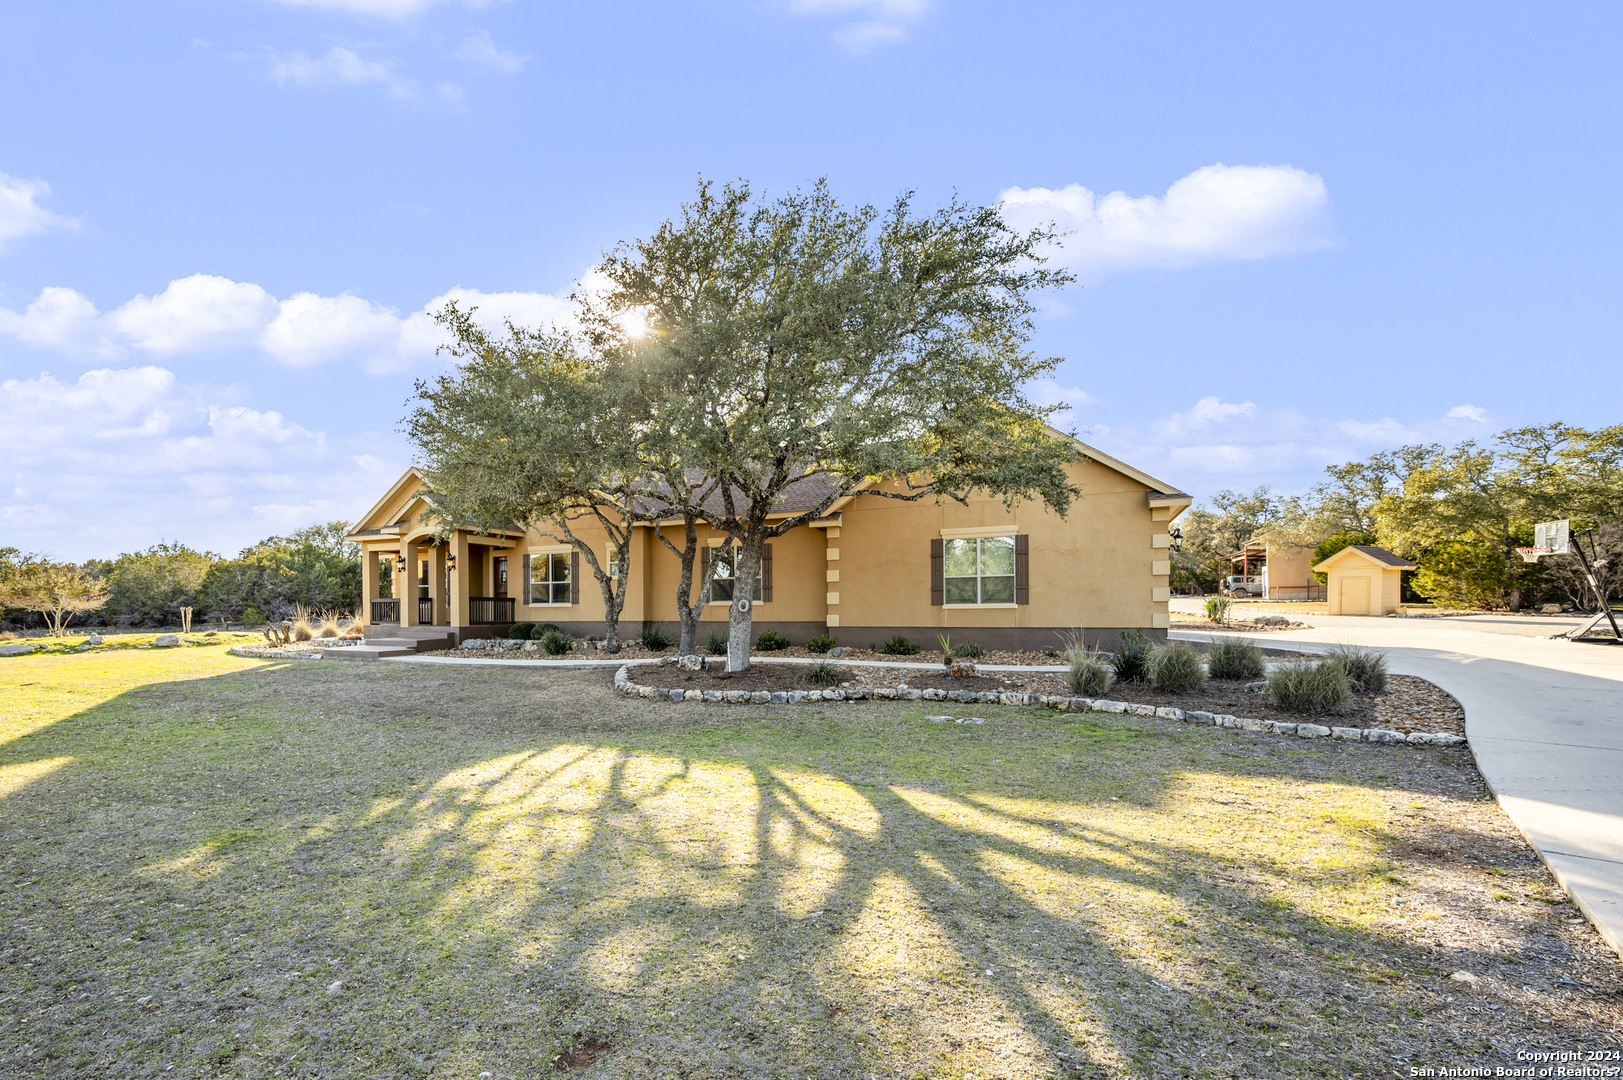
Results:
1365 668
1131 659
824 673
555 642
654 637
1087 672
1176 668
1235 658
1309 686
968 650
822 643
715 643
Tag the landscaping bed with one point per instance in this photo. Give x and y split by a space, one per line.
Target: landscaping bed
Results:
217 867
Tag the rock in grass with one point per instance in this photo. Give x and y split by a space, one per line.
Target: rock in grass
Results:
1312 731
1462 977
19 649
166 641
1347 734
94 639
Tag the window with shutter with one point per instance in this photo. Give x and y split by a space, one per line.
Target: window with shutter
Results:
1022 569
937 587
766 573
526 580
979 570
574 577
549 580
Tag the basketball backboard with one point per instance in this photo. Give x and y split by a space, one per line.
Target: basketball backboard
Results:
1552 536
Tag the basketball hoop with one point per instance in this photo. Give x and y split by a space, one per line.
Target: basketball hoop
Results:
1531 554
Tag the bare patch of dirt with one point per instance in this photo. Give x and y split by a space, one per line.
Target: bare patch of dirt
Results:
581 1054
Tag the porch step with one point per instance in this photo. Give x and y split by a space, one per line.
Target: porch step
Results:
412 643
368 652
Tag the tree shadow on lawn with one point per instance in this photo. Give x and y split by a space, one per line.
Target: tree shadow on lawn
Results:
366 884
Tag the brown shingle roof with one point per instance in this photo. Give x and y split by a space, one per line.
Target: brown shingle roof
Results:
1385 556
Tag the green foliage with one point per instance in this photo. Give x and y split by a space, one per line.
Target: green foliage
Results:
1087 672
822 643
1365 669
1235 658
252 616
542 628
1217 608
1469 574
899 646
715 642
824 673
771 641
313 567
654 637
1131 660
1338 542
56 591
555 642
968 650
150 587
521 631
1309 686
1176 668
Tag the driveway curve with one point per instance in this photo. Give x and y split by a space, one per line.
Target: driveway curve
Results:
1545 721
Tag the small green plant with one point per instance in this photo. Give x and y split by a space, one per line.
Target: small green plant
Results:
1365 668
1235 658
1309 686
654 637
715 643
1217 609
968 651
1131 659
771 641
945 641
252 616
899 646
521 631
824 673
1176 668
554 642
822 643
1087 672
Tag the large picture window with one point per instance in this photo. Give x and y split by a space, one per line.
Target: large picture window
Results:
549 579
725 561
979 570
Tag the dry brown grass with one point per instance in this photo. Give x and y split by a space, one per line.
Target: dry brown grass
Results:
341 869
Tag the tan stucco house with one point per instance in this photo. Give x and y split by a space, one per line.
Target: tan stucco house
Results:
868 569
1364 580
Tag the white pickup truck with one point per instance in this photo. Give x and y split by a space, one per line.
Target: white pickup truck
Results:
1237 585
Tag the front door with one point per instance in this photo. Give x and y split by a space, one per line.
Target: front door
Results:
1355 596
499 571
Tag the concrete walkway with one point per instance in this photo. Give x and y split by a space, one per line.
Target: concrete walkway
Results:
1545 721
494 661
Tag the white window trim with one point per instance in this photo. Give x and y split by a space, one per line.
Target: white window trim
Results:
977 533
977 607
550 549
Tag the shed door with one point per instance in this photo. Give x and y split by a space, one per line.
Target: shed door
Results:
1355 596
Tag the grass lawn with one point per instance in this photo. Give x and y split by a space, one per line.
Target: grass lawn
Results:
326 869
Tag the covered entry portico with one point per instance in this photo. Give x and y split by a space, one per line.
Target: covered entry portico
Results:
415 578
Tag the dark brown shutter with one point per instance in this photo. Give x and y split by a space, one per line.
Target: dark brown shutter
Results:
574 577
527 600
704 571
1022 569
938 584
766 573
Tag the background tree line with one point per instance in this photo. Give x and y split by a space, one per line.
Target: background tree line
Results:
1459 511
313 567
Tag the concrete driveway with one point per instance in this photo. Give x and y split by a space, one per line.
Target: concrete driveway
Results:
1544 719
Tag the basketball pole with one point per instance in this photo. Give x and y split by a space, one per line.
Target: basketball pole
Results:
1605 604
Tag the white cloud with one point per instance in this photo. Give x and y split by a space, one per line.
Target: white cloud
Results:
1468 412
1206 412
477 48
1071 399
193 314
340 66
21 215
130 456
1217 212
205 313
872 22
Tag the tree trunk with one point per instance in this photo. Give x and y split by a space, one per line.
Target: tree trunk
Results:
687 613
741 615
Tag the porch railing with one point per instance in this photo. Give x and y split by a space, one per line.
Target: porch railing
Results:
425 611
487 610
385 611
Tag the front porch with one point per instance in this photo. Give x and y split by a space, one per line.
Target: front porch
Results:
415 580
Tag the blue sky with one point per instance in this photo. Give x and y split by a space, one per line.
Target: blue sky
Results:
1304 232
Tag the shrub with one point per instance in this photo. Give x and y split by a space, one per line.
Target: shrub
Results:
1235 658
1087 672
1176 668
1365 668
521 631
771 641
899 646
555 642
715 643
302 630
969 651
1217 608
654 636
328 628
252 616
825 673
542 628
1131 659
1309 686
822 643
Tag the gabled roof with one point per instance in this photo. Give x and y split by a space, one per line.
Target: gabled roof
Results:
1161 492
1370 552
365 525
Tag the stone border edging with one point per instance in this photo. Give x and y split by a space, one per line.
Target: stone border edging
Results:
274 654
624 685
